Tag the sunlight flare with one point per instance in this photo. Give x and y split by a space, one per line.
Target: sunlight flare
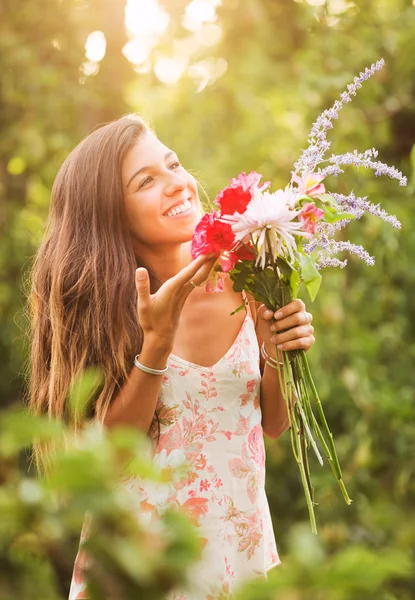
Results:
95 46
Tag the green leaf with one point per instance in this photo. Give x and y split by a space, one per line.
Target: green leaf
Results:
310 275
331 215
240 280
327 199
237 309
81 395
19 427
294 283
284 267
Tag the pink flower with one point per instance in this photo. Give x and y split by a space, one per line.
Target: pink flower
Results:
236 197
309 216
310 184
215 282
227 261
200 463
212 235
256 445
204 485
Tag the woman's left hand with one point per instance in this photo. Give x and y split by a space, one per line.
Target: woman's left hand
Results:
289 328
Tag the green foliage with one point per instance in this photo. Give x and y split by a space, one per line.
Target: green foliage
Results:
286 62
42 518
312 574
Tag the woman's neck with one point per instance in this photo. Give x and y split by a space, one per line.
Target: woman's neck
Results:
166 263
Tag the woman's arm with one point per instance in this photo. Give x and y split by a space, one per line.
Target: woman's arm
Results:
135 403
274 411
298 334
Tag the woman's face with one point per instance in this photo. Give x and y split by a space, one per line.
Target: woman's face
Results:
160 196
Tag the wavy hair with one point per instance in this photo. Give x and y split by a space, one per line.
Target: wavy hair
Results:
82 296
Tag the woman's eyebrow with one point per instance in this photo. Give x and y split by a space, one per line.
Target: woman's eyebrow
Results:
166 156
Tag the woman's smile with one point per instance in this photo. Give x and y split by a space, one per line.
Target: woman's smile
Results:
179 209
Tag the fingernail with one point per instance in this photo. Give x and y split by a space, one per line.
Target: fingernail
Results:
279 346
268 313
140 274
278 315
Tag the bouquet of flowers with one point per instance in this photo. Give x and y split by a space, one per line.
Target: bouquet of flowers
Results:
271 242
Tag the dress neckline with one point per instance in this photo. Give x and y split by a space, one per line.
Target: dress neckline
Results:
174 358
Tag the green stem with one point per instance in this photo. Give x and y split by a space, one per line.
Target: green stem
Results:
333 460
307 470
321 413
304 479
274 266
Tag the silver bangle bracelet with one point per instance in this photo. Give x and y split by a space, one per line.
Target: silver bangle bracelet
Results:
149 370
275 364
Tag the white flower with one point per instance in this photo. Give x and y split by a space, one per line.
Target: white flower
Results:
273 213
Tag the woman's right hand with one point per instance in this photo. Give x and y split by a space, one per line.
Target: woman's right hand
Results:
158 314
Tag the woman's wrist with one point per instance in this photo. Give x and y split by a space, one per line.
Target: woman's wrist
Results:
271 351
155 352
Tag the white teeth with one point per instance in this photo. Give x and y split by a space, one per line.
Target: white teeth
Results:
179 209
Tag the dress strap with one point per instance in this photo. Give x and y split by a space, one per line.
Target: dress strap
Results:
249 310
245 299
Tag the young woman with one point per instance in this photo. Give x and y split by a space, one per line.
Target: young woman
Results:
114 285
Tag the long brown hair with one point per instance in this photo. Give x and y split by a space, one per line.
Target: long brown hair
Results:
82 298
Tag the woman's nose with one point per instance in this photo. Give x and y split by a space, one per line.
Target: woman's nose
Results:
175 183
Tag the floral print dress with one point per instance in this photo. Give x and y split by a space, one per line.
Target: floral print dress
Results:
210 419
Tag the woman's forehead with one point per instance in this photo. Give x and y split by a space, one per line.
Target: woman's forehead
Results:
148 149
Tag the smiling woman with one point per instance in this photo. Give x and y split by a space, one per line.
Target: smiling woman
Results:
156 192
114 286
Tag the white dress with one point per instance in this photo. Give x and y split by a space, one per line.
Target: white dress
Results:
210 418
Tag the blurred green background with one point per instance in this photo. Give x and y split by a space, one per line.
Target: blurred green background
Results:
231 86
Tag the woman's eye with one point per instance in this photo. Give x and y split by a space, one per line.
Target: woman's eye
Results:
175 164
144 182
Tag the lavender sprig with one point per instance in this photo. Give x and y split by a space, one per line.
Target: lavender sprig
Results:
318 144
359 206
323 240
362 159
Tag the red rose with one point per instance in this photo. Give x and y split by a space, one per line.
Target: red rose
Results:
233 199
245 252
237 196
212 235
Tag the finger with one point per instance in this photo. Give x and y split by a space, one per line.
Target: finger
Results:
292 334
298 318
203 273
189 272
265 313
303 343
294 306
142 284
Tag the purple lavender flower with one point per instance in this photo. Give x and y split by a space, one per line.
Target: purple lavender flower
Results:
362 159
323 242
314 154
359 206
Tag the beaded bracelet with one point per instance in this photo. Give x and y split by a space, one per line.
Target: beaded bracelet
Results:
149 369
274 363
